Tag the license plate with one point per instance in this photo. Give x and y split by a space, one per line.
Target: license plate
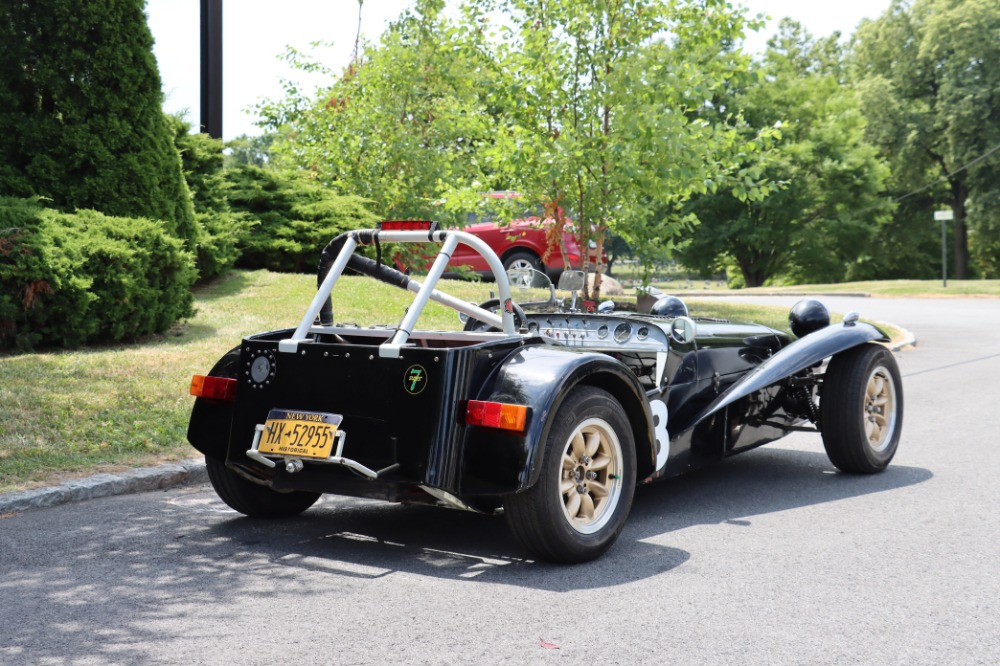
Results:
295 433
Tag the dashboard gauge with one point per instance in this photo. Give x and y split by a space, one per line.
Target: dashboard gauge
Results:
602 332
623 332
642 333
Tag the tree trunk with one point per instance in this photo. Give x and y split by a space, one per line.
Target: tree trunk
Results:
960 193
752 277
598 272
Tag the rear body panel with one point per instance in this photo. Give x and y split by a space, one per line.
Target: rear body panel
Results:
403 413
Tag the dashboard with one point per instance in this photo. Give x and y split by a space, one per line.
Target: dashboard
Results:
598 331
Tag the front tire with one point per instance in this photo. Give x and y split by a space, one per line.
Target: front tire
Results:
578 507
252 499
861 409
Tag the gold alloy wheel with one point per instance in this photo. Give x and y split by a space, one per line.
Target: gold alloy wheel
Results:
880 409
590 481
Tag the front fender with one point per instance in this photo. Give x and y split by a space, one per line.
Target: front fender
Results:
208 429
542 377
796 357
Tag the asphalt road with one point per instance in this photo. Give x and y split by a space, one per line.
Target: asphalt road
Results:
769 558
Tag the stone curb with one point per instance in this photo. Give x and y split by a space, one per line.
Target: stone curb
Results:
106 485
909 339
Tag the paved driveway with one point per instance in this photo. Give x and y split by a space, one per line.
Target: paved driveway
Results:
770 558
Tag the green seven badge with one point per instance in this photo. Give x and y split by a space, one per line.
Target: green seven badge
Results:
415 379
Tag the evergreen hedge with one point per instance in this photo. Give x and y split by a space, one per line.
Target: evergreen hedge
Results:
69 279
219 231
297 217
81 120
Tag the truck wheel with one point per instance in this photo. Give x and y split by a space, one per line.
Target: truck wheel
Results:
578 507
252 499
861 409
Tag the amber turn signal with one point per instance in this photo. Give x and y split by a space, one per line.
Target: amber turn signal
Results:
213 388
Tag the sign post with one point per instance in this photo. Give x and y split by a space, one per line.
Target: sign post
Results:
944 216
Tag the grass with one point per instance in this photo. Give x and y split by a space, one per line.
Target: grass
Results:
72 413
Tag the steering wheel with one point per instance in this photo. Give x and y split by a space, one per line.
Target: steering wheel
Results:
493 305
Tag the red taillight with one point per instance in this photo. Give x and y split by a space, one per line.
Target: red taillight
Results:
496 415
213 388
407 225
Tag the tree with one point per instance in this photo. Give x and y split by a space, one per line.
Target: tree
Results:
820 218
586 106
929 72
80 112
403 118
599 102
250 150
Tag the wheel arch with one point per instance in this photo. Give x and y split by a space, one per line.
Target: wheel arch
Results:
543 377
528 249
805 352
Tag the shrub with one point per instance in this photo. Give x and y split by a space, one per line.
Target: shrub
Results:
298 217
68 279
219 231
81 120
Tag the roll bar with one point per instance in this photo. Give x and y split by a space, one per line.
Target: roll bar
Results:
339 255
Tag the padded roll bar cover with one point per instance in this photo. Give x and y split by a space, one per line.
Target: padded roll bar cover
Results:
356 263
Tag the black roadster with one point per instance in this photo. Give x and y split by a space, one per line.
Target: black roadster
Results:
551 416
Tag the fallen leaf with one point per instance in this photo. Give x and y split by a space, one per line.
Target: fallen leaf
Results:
547 645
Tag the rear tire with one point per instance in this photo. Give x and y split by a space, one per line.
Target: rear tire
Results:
252 499
578 507
861 409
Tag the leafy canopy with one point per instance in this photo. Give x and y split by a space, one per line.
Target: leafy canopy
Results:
821 216
588 105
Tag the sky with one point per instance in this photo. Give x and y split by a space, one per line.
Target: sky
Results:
256 33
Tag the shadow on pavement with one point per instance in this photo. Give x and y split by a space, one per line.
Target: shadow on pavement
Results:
113 575
362 538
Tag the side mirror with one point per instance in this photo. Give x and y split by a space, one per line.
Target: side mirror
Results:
683 330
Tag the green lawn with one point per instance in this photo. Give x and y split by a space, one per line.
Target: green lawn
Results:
71 413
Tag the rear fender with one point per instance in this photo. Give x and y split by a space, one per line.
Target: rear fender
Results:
542 378
208 430
805 352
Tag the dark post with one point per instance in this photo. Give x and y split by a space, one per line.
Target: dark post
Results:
211 68
944 254
944 216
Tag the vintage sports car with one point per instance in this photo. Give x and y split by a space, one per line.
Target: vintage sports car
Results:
551 416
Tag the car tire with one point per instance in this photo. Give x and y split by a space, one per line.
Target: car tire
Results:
578 506
252 499
522 259
861 409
